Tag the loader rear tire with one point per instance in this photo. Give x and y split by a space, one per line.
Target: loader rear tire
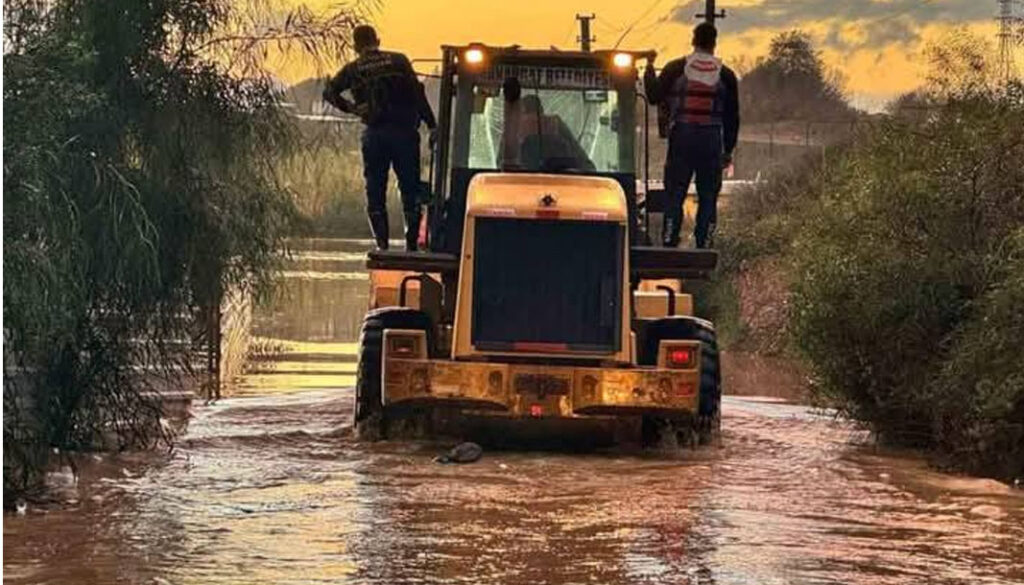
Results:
704 428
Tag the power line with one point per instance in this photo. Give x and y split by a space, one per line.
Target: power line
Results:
568 35
633 24
611 28
649 30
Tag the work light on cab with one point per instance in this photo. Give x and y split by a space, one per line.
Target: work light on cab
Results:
622 60
474 56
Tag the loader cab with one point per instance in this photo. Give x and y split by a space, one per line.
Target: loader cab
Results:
512 110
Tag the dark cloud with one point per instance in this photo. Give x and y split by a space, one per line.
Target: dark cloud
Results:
884 21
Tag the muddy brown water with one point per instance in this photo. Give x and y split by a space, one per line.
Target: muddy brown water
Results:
269 487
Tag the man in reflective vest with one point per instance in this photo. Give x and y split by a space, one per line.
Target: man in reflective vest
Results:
702 98
391 101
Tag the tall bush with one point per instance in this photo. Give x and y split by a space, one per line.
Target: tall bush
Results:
139 182
902 253
903 275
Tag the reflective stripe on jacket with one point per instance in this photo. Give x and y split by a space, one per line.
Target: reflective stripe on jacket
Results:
697 96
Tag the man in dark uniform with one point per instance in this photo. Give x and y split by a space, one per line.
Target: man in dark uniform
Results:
702 98
391 101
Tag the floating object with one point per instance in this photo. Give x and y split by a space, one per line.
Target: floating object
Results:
461 453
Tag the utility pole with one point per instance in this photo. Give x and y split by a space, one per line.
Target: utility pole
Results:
710 15
585 39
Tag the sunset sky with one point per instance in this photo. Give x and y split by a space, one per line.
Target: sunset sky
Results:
874 43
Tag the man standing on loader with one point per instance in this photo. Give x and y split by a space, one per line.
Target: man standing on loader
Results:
391 101
702 98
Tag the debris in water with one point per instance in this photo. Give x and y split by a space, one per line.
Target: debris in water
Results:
21 506
462 453
63 478
988 511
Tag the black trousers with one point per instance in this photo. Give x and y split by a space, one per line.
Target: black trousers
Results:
693 150
392 147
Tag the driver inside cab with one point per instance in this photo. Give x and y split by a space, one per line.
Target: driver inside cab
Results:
533 140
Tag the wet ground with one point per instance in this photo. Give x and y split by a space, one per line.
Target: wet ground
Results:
269 487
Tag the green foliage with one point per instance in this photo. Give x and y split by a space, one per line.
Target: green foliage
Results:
979 390
902 254
748 296
139 182
906 238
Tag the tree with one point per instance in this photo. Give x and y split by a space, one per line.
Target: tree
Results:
792 83
139 183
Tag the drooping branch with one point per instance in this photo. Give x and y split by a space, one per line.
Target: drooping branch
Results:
248 35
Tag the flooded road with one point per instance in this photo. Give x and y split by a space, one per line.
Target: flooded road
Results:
269 487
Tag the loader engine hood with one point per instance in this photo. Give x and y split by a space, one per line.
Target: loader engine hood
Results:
544 267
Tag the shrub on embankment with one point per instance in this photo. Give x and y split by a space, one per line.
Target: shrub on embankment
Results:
139 182
896 268
901 255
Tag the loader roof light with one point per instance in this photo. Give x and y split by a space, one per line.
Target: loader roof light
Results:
473 56
622 60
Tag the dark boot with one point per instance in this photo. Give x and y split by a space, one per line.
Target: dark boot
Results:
412 230
670 229
706 240
379 227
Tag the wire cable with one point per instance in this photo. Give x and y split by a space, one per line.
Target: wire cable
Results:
632 25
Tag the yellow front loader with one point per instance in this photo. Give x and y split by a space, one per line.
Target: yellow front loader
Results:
537 298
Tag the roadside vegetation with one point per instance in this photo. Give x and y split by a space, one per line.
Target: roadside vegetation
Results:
325 174
893 267
140 181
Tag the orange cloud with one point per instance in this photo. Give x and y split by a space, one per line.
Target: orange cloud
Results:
877 64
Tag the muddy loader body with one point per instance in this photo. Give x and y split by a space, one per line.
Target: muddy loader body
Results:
537 298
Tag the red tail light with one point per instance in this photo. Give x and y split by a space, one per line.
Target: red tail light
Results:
681 357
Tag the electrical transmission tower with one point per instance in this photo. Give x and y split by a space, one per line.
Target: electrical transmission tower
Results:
1010 27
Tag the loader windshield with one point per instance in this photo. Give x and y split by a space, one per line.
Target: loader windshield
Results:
551 114
546 130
